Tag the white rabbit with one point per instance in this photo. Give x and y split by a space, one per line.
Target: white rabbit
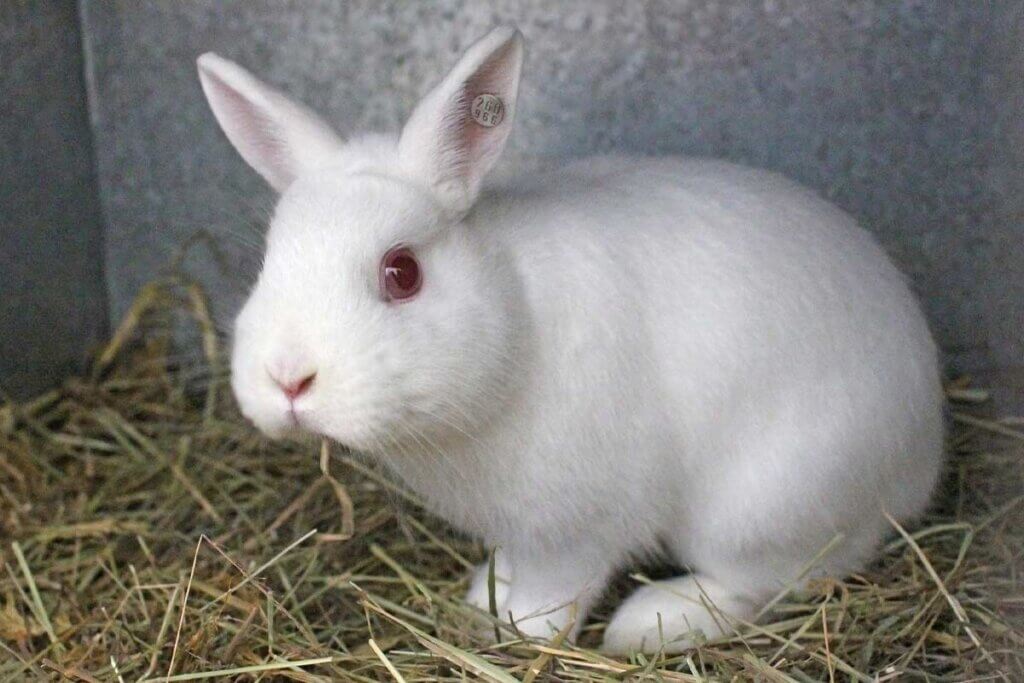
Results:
618 358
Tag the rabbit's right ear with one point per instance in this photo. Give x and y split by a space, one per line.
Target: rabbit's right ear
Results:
458 131
279 138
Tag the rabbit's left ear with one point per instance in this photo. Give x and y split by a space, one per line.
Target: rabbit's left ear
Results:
457 132
279 137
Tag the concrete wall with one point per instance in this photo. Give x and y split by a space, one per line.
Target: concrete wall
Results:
908 113
52 294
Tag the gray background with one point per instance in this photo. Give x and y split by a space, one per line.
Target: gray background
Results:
909 114
53 303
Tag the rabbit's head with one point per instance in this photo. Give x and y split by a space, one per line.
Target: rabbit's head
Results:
379 316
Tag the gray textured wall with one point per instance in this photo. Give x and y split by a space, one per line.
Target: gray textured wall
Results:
52 294
908 113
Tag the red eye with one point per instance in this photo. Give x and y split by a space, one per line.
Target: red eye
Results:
400 276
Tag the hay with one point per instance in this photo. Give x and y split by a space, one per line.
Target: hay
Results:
150 534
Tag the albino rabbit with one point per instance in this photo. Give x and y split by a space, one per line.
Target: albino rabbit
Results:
616 358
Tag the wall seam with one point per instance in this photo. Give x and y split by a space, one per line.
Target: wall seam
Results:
93 114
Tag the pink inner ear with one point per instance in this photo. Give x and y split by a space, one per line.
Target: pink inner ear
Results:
479 143
253 134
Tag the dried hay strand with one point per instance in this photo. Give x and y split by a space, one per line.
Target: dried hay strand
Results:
149 534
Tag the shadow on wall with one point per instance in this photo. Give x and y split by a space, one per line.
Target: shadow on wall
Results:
53 304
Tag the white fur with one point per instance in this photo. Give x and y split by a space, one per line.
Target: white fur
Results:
617 356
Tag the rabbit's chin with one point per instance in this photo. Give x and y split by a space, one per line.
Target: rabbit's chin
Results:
297 430
280 430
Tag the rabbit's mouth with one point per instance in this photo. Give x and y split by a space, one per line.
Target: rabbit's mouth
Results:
302 418
299 425
304 427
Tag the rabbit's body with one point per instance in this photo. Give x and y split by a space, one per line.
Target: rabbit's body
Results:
682 348
607 360
718 361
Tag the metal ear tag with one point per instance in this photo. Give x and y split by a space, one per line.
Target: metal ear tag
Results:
487 110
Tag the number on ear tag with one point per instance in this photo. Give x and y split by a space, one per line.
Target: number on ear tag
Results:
487 110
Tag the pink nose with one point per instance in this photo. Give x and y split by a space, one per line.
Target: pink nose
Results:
297 387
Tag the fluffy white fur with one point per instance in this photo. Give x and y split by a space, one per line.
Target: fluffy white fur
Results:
620 356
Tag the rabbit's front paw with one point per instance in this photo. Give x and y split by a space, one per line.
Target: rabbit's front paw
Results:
479 594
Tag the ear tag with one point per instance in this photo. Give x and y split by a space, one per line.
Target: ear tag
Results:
487 110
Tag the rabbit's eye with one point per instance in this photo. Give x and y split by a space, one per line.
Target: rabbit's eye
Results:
400 276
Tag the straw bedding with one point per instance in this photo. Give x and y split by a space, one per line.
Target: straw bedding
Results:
149 533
